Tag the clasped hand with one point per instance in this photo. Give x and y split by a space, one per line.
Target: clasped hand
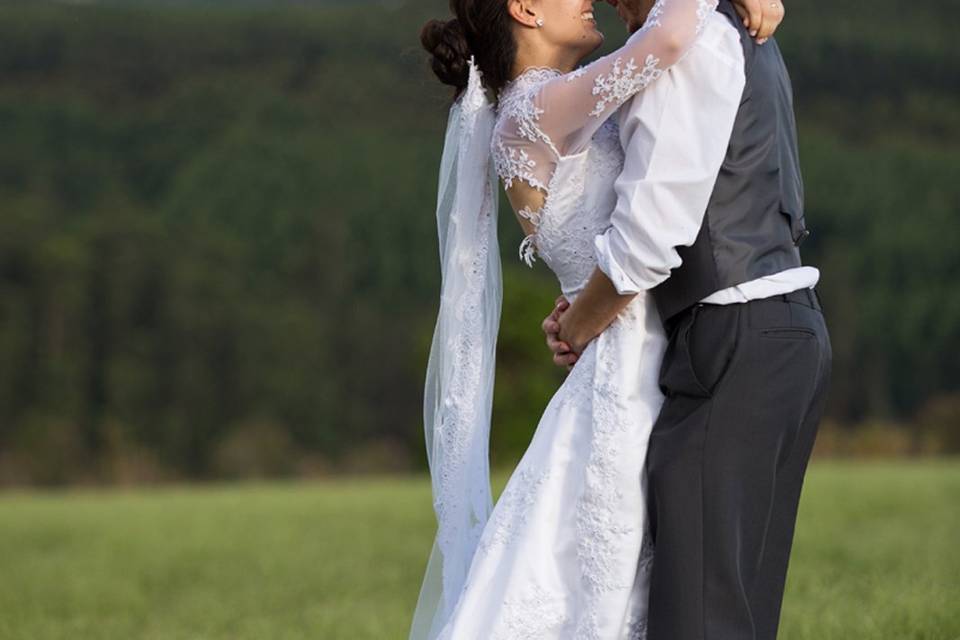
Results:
564 354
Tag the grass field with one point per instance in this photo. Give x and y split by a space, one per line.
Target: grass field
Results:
876 556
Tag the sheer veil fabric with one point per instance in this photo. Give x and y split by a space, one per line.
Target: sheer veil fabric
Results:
458 392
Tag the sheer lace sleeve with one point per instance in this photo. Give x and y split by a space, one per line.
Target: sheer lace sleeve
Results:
559 117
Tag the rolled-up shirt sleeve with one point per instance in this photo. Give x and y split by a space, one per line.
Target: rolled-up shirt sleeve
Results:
675 136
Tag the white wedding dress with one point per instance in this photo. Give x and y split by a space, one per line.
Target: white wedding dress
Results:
566 552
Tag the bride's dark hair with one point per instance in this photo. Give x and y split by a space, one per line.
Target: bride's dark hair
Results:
481 28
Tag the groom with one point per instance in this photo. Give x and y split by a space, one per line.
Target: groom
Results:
708 222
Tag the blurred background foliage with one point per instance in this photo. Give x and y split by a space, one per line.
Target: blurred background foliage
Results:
218 252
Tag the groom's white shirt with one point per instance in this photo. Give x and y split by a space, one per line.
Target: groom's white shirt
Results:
675 136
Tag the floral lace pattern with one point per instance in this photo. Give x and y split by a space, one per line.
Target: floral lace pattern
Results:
566 246
571 216
577 73
511 164
528 246
517 104
459 409
626 79
603 526
535 615
704 9
555 120
513 507
570 244
616 87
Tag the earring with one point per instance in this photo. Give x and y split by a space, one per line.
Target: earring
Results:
539 22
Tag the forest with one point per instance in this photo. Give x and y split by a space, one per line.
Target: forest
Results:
218 252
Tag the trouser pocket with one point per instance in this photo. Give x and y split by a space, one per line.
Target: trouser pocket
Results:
789 333
701 351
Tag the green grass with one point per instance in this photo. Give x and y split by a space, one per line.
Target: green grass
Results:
875 557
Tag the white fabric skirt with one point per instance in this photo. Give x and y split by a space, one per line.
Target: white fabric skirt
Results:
566 552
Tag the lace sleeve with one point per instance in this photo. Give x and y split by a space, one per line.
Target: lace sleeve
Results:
562 114
583 99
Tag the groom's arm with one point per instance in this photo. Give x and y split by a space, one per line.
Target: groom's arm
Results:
675 136
593 310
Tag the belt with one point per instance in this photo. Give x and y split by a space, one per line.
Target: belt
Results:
805 296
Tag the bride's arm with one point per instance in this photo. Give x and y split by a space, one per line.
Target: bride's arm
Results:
560 118
570 108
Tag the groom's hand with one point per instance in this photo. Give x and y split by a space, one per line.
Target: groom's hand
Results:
760 17
563 355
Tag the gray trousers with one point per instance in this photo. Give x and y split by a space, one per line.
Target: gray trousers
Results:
746 386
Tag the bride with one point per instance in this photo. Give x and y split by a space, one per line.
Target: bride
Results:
565 552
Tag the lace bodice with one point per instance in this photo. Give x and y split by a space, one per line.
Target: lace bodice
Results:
552 124
580 194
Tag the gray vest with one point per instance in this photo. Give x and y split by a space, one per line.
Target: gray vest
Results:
754 221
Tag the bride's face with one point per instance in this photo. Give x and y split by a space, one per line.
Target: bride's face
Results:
570 24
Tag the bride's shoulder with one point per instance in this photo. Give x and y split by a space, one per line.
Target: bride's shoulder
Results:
531 78
518 107
517 95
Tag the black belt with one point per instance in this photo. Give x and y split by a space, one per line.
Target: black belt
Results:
803 296
807 297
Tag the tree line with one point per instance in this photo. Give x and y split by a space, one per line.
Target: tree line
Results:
218 252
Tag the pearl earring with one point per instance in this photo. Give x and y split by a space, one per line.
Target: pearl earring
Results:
539 22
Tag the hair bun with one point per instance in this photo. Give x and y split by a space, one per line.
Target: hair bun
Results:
447 46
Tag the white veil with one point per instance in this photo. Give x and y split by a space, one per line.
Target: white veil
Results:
459 383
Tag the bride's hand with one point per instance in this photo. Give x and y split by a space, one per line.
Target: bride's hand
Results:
574 330
563 356
761 17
